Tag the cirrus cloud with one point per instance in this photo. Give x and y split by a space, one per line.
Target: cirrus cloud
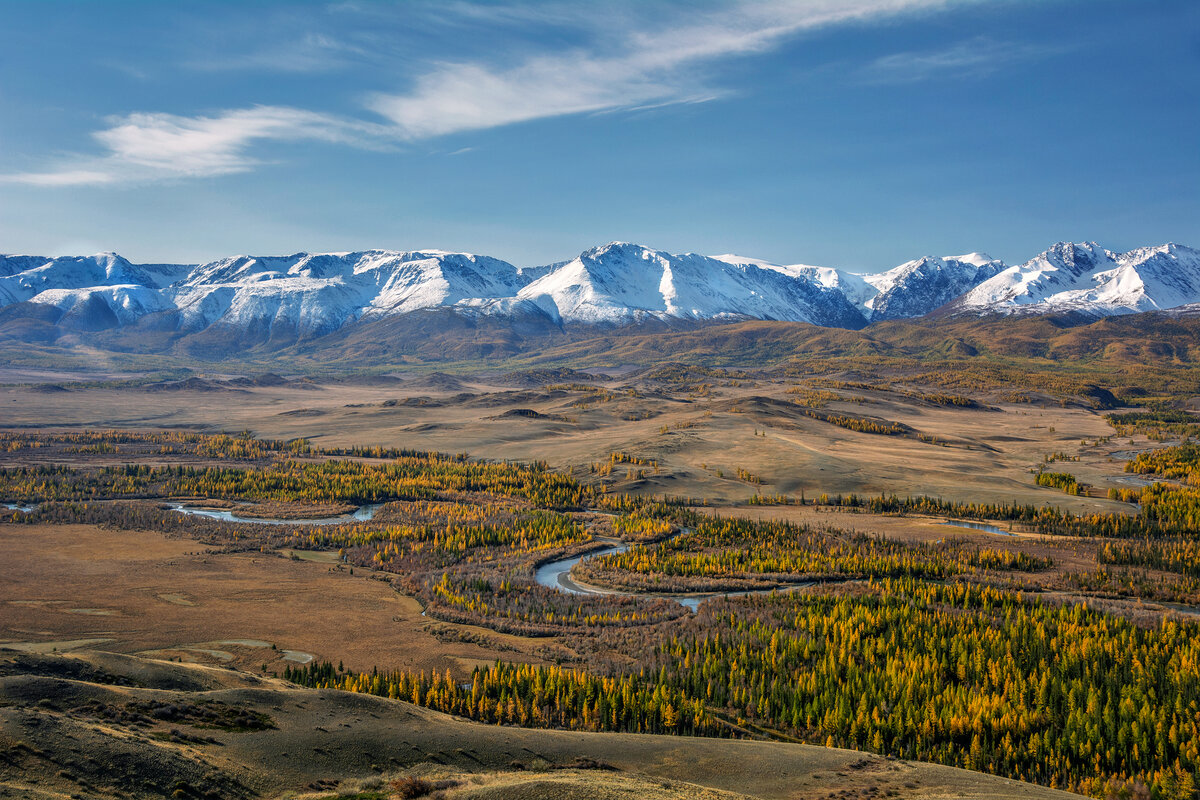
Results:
623 68
146 146
972 58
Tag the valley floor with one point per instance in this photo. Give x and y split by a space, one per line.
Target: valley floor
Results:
142 651
697 430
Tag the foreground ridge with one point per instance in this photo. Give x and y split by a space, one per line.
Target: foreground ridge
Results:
132 727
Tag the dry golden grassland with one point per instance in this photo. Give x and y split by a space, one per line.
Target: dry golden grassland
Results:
700 435
69 586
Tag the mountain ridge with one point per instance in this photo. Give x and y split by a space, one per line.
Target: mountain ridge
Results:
252 300
1090 279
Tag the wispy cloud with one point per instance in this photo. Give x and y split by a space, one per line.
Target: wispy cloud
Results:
621 67
639 68
971 58
162 146
308 53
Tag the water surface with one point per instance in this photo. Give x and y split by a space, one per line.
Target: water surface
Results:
976 526
557 575
361 515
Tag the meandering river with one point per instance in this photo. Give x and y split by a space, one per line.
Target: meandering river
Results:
361 515
557 575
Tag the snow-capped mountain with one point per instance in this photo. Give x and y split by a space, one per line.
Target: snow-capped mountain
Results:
620 282
104 289
1088 279
917 287
306 295
853 287
320 293
912 289
302 294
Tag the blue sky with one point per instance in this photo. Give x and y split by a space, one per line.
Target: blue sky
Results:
852 133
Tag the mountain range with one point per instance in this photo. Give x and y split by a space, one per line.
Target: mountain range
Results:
304 296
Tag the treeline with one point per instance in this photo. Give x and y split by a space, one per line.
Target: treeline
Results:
408 547
723 554
860 424
531 696
240 446
132 515
219 446
614 459
432 536
516 605
936 506
1169 416
892 504
1165 511
376 451
1179 463
1171 507
1125 495
332 481
957 674
1142 584
1063 481
940 399
819 398
1181 556
1156 424
641 526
